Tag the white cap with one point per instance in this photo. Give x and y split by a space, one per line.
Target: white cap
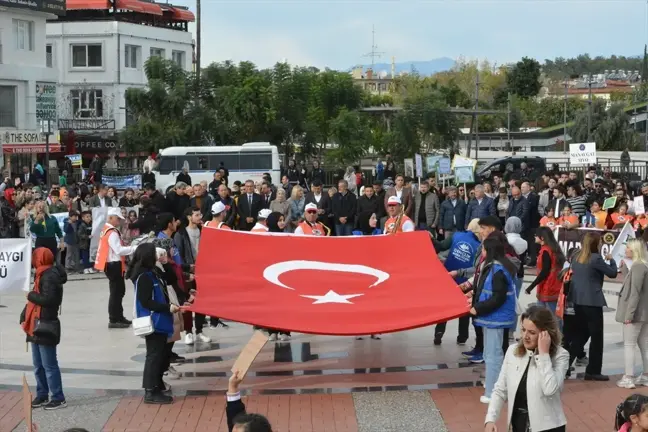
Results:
393 200
264 213
310 207
217 208
115 211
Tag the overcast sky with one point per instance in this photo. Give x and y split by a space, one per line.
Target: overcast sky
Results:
336 33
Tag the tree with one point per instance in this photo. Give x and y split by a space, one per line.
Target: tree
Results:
644 65
168 112
523 79
561 68
352 135
610 128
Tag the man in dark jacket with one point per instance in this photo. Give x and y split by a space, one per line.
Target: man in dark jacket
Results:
519 206
249 205
534 220
344 210
178 200
321 200
452 213
157 199
203 201
148 177
237 419
229 203
480 206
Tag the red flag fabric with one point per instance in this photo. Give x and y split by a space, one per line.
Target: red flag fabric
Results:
325 285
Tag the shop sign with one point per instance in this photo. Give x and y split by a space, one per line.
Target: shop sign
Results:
89 143
22 137
45 101
56 7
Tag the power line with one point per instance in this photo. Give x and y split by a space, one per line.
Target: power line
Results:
374 53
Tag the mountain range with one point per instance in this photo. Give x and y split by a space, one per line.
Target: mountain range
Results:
427 67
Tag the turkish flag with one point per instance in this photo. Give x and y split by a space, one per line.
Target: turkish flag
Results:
325 285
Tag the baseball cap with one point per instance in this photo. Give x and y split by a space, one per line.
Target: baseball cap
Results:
264 213
310 208
115 211
217 208
393 200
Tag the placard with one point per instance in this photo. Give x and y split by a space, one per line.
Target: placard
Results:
573 238
418 163
409 167
609 203
15 264
432 163
582 153
249 353
638 205
464 174
445 166
618 250
75 159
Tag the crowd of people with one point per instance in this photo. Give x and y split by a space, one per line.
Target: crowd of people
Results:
484 233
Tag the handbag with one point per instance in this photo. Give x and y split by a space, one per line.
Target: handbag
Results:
49 329
142 326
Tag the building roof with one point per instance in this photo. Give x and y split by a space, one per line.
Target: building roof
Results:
176 13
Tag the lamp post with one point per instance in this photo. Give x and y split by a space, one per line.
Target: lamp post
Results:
565 119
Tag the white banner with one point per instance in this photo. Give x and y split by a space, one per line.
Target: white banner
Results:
618 250
15 264
98 221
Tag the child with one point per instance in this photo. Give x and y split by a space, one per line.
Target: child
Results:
595 218
84 233
129 234
641 222
632 414
549 220
568 220
71 241
621 216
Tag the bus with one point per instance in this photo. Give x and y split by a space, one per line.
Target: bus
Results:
245 162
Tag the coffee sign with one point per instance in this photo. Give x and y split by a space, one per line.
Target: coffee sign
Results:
96 143
45 101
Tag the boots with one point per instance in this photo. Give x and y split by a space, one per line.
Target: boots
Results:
156 396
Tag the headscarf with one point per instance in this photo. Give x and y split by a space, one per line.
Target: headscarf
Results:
273 222
513 225
8 194
42 259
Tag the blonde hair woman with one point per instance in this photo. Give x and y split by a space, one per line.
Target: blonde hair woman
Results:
632 312
297 203
281 205
531 378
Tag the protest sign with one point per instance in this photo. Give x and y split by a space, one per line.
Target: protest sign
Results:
432 163
445 166
609 203
249 353
638 205
573 238
15 264
418 162
75 159
464 174
408 167
618 250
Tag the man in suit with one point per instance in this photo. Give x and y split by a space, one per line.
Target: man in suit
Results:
249 205
101 199
267 194
321 200
27 177
402 192
534 220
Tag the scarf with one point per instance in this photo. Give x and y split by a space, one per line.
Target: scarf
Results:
8 194
42 259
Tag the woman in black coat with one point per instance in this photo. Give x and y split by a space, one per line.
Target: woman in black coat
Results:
40 322
368 204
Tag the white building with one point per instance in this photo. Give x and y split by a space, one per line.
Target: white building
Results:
100 50
27 85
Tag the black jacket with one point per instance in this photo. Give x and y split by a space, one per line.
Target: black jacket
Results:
367 207
324 203
49 298
185 178
148 178
344 206
158 201
182 242
233 409
244 210
206 204
177 204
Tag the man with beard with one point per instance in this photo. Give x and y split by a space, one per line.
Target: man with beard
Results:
157 199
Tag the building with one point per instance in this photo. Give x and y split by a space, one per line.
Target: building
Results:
27 86
609 86
375 83
100 48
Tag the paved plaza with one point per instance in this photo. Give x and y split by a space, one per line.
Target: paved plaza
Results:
312 383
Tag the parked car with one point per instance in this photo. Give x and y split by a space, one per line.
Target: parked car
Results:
498 166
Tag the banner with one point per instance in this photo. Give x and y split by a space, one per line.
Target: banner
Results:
618 250
15 264
573 238
308 286
123 182
75 159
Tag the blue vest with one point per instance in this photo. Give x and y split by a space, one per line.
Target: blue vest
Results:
462 253
505 316
162 322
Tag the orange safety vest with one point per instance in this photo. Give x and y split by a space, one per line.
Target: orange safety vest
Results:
390 225
573 220
548 222
104 248
317 229
258 229
221 225
620 219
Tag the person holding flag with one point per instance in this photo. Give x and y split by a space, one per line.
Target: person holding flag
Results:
311 226
397 221
111 259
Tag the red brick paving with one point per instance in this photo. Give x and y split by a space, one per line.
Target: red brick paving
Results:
11 410
589 406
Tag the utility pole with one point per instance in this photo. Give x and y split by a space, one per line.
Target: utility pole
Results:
198 38
374 53
589 109
476 116
565 119
508 124
48 178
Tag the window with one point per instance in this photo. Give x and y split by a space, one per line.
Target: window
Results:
131 57
87 55
24 34
167 164
157 52
255 161
230 160
178 58
7 106
87 103
49 52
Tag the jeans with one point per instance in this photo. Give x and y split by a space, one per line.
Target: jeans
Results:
493 356
48 374
72 257
635 334
117 291
342 230
84 254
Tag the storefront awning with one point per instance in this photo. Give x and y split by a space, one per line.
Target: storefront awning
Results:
139 6
30 148
88 4
183 14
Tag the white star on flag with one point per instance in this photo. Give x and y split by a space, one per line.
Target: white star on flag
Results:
332 297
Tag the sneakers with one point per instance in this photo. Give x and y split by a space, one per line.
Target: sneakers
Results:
461 342
86 271
437 339
470 353
39 402
582 361
484 400
642 380
172 373
626 382
201 337
157 397
477 358
273 337
375 337
54 405
189 339
175 358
